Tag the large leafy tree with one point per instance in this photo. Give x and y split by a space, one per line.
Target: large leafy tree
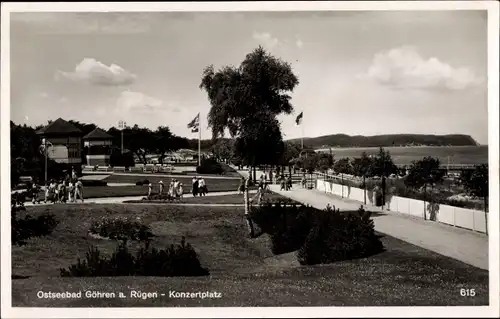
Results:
246 101
164 142
362 166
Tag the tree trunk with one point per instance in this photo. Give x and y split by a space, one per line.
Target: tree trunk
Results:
425 200
486 213
251 231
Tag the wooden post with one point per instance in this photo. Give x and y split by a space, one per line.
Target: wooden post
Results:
247 210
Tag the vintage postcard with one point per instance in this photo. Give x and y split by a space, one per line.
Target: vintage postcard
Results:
250 159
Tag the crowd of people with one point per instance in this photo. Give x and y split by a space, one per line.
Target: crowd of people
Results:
68 189
176 188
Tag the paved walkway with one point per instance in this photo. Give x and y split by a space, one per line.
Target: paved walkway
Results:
464 245
121 200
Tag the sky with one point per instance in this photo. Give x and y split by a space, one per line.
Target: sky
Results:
360 73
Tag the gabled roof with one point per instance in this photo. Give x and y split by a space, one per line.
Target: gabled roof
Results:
97 134
59 126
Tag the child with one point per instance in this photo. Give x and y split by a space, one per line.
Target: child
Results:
202 187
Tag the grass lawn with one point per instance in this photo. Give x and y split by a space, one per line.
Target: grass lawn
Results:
243 270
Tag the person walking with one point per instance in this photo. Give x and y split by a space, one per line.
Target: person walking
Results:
180 191
161 187
79 190
71 192
34 193
241 187
195 186
171 191
150 190
202 187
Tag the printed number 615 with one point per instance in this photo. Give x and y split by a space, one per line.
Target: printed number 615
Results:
467 292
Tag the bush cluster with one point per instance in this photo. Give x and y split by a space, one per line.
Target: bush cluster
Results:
121 229
209 166
28 227
319 236
162 197
140 183
177 260
88 182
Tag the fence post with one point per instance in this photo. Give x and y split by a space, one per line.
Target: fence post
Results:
364 188
342 184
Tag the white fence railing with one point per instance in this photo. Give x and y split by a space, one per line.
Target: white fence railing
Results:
456 216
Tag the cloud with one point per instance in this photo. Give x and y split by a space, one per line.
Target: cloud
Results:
299 43
404 68
266 39
137 102
44 95
97 73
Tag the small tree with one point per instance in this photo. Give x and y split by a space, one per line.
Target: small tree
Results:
343 166
475 182
424 173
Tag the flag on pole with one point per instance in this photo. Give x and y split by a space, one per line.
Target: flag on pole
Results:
298 120
194 125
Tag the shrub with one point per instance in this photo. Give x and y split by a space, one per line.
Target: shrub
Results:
339 236
88 182
164 197
319 236
145 182
138 183
209 166
28 227
121 228
177 260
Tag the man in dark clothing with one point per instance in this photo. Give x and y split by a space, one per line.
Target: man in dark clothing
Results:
195 186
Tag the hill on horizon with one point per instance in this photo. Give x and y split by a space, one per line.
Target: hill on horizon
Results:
386 140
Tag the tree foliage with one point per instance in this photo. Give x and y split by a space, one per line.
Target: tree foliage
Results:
424 172
246 101
475 181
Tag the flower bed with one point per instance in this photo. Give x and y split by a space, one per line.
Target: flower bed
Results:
120 228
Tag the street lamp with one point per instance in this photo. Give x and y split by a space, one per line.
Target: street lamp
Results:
121 127
46 151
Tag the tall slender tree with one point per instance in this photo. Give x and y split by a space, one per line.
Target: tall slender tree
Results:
247 100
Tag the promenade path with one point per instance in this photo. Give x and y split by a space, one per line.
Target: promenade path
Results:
464 245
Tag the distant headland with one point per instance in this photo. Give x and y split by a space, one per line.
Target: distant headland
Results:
387 140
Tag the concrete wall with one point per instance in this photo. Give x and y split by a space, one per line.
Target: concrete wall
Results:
456 216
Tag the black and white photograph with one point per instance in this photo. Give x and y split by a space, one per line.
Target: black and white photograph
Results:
287 158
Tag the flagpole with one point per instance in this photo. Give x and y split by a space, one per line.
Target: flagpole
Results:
302 139
199 141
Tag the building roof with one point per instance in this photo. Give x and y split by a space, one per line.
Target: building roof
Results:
59 126
97 134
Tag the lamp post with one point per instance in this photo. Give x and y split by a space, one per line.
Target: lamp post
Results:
121 127
46 151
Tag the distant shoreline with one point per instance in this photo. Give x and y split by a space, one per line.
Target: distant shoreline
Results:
393 146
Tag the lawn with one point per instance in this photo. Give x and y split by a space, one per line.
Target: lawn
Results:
243 270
